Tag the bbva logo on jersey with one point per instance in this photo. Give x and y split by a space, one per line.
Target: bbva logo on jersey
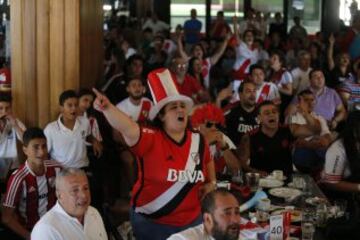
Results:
185 176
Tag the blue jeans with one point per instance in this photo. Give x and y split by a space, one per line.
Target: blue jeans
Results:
146 229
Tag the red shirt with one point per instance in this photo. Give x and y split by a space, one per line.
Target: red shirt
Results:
190 87
169 176
32 195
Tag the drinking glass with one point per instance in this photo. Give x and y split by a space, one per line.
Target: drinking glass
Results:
252 180
307 224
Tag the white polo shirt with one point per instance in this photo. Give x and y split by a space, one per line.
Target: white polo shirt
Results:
8 149
56 224
67 146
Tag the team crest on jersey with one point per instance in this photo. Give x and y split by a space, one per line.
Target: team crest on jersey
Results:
31 189
51 182
195 157
145 113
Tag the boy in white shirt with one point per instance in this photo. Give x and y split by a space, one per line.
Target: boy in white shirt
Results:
11 129
67 136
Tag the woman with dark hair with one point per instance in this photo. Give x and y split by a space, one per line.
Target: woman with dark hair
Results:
195 70
342 161
207 61
341 177
174 165
246 53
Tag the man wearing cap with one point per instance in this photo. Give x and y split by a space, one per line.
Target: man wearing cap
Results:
175 168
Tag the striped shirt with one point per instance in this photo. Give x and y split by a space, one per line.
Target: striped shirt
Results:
32 195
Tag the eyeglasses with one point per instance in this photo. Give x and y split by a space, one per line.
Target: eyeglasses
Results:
181 65
211 124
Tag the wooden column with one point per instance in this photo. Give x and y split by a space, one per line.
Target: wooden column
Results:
56 45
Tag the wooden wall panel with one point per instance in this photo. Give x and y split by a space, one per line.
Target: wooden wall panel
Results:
56 45
42 61
29 62
72 48
57 65
91 42
16 32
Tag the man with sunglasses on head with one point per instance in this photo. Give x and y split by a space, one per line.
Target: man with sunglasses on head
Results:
209 120
186 84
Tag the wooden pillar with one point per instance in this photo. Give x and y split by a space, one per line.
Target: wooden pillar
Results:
55 45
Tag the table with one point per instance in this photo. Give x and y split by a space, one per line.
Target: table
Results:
312 190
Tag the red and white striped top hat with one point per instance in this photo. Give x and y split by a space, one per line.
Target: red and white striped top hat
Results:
163 90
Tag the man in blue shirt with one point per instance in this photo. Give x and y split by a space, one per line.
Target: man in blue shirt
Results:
192 29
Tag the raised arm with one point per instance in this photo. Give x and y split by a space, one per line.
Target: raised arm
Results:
236 30
181 49
330 52
117 119
217 55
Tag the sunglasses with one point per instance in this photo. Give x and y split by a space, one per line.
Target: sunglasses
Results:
211 124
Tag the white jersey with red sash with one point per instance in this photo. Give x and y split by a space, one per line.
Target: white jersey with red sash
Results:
32 195
169 176
281 77
245 57
138 113
206 66
268 91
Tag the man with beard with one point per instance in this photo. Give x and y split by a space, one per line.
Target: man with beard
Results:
242 115
136 106
269 146
221 216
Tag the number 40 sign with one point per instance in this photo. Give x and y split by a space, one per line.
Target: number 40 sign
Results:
279 226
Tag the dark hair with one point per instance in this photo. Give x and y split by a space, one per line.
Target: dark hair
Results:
314 70
256 66
85 91
32 133
265 103
208 203
280 54
191 69
305 92
249 30
242 85
351 137
5 98
198 45
66 95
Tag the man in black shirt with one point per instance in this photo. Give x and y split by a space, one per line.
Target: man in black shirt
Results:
240 117
269 146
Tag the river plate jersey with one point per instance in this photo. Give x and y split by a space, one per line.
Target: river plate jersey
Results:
169 176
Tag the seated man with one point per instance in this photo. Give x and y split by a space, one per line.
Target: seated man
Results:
31 189
221 216
72 217
269 146
264 90
328 102
312 133
241 116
